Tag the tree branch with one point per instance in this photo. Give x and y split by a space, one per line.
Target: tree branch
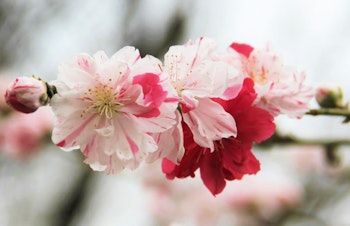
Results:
278 139
330 146
330 111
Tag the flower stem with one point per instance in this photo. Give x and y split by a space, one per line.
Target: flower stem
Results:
51 90
330 111
330 146
278 139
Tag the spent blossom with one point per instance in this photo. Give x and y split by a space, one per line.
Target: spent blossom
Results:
109 107
280 88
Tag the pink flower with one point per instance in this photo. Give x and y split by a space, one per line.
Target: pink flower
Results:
22 134
184 201
280 88
264 196
26 94
110 107
199 74
232 157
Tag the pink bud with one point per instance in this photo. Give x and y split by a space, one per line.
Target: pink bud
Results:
329 96
26 94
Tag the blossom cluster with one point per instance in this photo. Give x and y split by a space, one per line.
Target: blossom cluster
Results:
197 109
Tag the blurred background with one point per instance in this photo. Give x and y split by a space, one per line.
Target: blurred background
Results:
41 185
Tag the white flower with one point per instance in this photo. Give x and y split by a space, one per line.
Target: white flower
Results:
109 108
198 74
280 88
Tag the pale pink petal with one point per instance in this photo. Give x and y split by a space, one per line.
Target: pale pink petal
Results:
100 57
147 63
291 98
197 69
128 55
170 143
75 70
209 122
166 119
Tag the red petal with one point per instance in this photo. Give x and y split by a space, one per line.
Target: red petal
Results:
243 49
153 92
254 125
189 162
168 167
252 165
244 99
212 173
238 159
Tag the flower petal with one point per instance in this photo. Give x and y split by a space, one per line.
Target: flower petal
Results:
243 49
212 173
170 143
209 122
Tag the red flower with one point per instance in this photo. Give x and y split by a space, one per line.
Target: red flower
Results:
232 157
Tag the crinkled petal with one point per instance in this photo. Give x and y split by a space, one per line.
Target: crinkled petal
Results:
170 143
238 159
209 122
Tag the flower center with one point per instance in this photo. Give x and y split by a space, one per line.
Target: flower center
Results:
257 72
178 73
103 99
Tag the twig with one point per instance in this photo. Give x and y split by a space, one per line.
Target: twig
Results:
277 139
330 111
330 146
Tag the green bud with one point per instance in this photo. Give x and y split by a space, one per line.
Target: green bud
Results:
329 96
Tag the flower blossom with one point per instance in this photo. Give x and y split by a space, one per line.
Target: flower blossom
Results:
232 157
280 88
22 134
109 108
198 74
26 94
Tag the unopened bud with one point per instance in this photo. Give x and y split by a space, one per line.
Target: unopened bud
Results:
27 94
329 96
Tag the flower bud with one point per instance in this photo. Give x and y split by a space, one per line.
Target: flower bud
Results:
329 96
27 94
